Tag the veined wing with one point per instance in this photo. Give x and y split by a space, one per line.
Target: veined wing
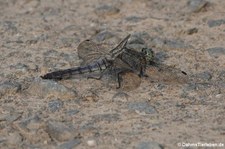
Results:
166 74
119 48
88 50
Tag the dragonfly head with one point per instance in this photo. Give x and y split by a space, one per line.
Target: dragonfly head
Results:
149 54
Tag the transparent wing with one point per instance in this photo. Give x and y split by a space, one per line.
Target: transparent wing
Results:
166 74
130 81
88 51
120 47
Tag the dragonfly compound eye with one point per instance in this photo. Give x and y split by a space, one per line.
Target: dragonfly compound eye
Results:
149 54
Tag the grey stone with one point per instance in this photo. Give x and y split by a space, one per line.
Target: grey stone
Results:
9 26
149 145
197 86
19 66
10 117
50 89
55 105
107 10
72 112
103 35
14 138
31 123
197 5
71 57
136 42
190 87
42 37
177 44
192 31
222 75
9 88
169 43
216 51
161 56
60 132
134 19
58 60
32 129
89 125
120 96
67 42
106 117
70 144
204 76
143 35
214 23
51 53
142 107
160 86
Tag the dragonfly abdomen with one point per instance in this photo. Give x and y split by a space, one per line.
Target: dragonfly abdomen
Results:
99 65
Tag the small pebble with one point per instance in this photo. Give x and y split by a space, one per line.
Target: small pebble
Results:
91 142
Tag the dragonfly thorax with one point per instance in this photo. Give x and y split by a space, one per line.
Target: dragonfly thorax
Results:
149 54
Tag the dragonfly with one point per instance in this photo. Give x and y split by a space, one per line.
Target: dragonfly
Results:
119 61
128 65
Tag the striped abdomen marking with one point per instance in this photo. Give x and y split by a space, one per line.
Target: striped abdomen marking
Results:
99 65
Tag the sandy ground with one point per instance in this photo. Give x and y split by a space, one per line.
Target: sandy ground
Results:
40 36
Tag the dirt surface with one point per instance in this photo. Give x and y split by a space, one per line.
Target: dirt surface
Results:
40 36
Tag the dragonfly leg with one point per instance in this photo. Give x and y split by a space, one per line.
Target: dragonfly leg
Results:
142 73
96 78
119 79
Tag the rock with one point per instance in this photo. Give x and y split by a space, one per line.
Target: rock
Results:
192 31
72 58
14 138
134 19
214 23
143 35
35 40
216 51
120 97
106 117
107 10
49 88
103 35
10 117
32 129
197 5
55 105
142 107
9 88
204 76
222 75
175 44
149 145
9 26
169 43
70 144
72 112
60 132
90 96
161 56
136 42
20 67
91 142
67 42
32 123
